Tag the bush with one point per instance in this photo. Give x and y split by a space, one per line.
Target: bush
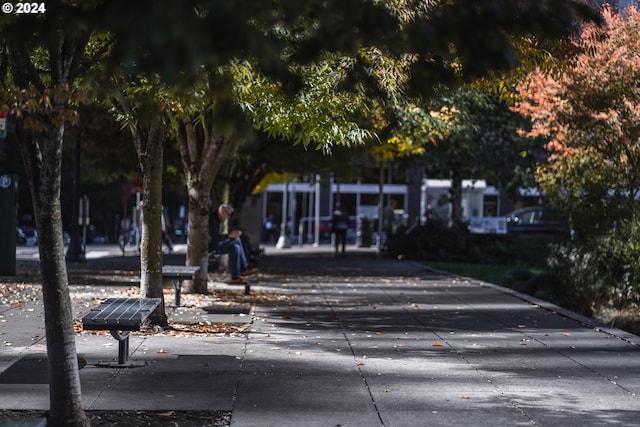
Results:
619 252
598 273
434 241
437 242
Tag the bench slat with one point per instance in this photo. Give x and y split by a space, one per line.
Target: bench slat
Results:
179 271
125 314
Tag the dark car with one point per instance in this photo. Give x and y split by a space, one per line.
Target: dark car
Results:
537 220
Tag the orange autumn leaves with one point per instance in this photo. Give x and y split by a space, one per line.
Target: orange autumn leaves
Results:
588 112
591 108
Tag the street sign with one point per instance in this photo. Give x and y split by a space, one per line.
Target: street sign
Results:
5 181
488 225
8 224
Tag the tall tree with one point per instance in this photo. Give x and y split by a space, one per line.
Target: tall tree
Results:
140 104
208 125
476 137
39 97
590 113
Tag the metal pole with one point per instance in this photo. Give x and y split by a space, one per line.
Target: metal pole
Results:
283 240
85 221
293 204
316 223
75 252
380 208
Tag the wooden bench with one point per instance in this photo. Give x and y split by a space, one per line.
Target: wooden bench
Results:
120 316
179 273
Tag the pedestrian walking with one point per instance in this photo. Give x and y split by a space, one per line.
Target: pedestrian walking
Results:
339 226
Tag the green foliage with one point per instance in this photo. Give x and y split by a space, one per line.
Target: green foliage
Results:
477 136
601 272
471 133
319 115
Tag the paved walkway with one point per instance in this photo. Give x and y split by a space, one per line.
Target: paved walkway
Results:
363 341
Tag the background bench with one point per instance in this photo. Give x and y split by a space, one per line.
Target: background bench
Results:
120 316
179 273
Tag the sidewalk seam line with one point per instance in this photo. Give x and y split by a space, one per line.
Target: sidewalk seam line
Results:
353 354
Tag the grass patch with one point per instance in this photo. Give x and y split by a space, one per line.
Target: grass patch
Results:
484 272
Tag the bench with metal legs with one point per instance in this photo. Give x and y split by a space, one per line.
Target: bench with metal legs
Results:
120 316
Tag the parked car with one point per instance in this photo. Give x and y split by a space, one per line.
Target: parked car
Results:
537 220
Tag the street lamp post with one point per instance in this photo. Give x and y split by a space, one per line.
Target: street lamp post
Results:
283 240
316 222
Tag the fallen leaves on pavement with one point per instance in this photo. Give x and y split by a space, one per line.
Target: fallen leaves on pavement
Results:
86 296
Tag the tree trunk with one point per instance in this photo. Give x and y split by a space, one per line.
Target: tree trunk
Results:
456 197
198 239
42 156
150 152
43 160
202 154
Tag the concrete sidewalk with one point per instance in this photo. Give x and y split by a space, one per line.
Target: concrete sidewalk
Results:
362 341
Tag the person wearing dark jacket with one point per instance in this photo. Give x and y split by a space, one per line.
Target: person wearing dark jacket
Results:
232 245
339 226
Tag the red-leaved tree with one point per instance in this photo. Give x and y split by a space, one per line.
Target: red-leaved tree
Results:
590 113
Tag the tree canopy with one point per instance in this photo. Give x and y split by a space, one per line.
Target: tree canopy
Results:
590 113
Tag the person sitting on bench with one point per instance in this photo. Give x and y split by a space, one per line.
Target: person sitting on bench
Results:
233 246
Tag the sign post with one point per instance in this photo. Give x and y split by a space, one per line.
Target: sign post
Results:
8 224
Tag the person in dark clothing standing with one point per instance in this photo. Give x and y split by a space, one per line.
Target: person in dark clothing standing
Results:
339 226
